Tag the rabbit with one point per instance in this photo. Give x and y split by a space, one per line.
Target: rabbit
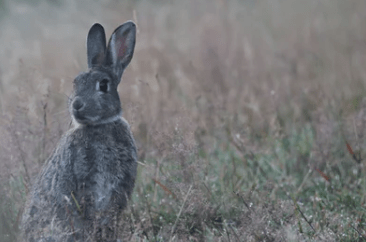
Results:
87 181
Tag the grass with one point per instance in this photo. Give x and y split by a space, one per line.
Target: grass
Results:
249 116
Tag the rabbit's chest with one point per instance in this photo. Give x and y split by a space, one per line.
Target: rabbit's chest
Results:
98 169
98 160
101 163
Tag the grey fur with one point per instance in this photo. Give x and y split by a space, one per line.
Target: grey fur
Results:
86 182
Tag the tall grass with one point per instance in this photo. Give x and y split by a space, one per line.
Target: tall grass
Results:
242 112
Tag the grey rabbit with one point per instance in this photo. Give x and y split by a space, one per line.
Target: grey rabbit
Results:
85 184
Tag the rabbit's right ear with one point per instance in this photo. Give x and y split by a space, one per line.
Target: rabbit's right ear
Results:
96 45
121 47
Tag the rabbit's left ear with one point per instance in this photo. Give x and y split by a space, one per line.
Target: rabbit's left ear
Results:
96 45
121 47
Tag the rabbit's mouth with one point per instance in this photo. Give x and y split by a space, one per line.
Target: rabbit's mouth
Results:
81 119
86 119
94 120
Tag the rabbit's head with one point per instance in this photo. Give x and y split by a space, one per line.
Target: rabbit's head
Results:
95 99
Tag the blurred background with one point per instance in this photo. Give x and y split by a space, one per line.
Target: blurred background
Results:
242 112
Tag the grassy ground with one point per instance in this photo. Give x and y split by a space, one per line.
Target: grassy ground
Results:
249 115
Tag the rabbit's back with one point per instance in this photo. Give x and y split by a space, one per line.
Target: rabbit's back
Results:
87 180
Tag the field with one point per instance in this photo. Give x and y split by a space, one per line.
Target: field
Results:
249 116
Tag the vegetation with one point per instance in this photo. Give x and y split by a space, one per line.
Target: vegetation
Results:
249 116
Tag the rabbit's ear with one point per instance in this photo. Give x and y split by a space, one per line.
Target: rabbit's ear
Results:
120 48
96 45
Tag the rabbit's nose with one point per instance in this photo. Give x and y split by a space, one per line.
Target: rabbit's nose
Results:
77 105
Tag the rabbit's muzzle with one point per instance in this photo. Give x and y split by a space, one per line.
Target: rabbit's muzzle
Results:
78 105
79 111
96 109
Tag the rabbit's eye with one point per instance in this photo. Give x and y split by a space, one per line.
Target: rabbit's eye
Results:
103 85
